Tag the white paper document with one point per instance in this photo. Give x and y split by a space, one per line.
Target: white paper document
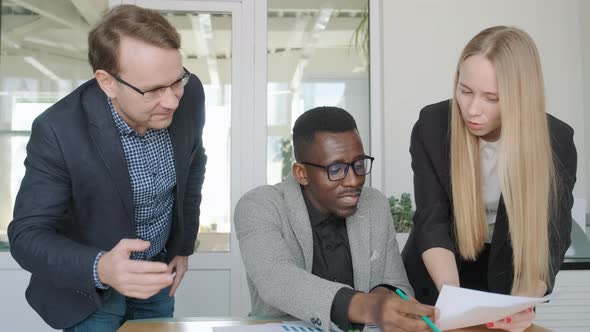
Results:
287 326
461 307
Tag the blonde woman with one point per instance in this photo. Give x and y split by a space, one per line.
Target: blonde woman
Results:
493 179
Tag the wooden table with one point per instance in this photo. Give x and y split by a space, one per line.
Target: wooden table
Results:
206 325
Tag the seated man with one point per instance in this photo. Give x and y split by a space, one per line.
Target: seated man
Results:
319 246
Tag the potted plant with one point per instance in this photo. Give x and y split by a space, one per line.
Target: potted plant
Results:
402 213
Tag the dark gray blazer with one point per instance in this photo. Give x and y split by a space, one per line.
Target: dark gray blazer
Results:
433 220
276 241
75 199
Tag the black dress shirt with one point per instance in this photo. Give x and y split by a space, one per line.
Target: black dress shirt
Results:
332 261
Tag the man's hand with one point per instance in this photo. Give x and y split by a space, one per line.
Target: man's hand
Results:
389 312
380 290
138 279
394 314
179 265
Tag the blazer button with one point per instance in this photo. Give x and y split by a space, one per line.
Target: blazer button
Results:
319 322
82 293
313 321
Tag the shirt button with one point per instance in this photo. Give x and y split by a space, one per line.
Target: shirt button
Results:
328 247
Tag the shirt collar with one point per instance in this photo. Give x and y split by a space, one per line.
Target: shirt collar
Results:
316 217
483 144
124 129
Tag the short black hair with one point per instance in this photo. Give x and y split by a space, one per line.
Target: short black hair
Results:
320 119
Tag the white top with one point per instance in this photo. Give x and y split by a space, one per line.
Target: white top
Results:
488 154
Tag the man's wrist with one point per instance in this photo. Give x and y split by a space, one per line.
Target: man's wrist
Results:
363 308
97 282
384 289
340 309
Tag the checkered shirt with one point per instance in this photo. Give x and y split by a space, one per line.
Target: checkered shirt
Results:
150 161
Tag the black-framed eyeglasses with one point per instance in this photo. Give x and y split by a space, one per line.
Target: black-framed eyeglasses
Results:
338 171
156 93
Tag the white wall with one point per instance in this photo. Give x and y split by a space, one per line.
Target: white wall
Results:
569 308
422 40
204 292
584 18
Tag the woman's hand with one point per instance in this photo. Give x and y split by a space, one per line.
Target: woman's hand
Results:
515 323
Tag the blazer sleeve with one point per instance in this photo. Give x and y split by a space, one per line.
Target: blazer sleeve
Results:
270 265
566 159
394 271
432 219
41 209
196 177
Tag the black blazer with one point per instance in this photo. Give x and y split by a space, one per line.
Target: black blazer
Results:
75 198
433 220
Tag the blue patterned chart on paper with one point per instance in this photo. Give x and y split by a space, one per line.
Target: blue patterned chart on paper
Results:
299 328
286 326
294 326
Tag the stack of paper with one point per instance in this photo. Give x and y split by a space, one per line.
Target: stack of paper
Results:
461 307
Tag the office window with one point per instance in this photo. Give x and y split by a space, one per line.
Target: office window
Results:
317 56
206 51
43 56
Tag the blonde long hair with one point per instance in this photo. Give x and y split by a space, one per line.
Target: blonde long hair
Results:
525 163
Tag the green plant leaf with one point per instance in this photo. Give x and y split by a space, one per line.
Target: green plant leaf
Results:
402 212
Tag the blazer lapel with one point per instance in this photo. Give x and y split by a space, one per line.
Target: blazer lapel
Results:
444 172
299 219
501 232
179 140
108 144
359 236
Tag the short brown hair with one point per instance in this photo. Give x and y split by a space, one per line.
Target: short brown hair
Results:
132 21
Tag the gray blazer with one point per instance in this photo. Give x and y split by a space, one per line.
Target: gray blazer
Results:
275 236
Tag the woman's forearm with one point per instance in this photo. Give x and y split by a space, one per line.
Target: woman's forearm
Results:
441 266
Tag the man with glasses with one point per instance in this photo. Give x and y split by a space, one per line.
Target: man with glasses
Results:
108 210
321 247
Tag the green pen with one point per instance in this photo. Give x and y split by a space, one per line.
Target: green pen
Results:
424 318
